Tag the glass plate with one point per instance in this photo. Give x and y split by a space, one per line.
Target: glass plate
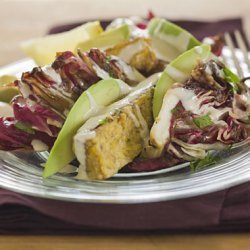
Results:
22 172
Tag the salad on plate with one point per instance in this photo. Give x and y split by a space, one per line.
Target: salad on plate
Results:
139 96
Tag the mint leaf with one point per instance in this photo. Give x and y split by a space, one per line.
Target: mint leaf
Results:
232 79
24 128
208 160
203 121
175 109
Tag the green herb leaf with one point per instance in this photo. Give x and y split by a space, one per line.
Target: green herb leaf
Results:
208 160
203 121
232 79
174 110
108 59
24 128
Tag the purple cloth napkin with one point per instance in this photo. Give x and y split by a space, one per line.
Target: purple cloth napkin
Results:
227 210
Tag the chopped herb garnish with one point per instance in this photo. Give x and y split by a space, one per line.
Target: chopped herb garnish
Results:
174 110
24 128
203 121
207 161
232 79
108 59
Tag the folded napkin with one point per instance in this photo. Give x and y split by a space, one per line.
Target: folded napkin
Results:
227 210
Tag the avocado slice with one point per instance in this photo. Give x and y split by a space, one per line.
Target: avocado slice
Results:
5 79
106 39
7 93
178 71
89 103
169 40
7 88
43 50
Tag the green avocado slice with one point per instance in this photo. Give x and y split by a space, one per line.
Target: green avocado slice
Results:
7 89
7 93
106 39
169 40
5 79
89 103
178 71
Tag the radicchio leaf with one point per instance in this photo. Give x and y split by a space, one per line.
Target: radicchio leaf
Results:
13 138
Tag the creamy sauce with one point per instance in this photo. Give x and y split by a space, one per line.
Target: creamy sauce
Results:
87 132
94 107
25 89
159 133
100 72
127 53
144 131
69 169
6 110
124 88
133 117
198 50
54 122
176 74
79 149
48 70
130 72
82 173
39 145
140 123
208 70
208 40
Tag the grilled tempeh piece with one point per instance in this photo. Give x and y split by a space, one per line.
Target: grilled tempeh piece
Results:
120 139
108 142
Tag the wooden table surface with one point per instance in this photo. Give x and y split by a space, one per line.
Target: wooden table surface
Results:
22 20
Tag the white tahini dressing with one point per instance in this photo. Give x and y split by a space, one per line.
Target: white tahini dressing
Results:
87 132
100 72
25 89
6 110
48 70
176 74
198 50
130 72
144 131
94 107
127 53
39 145
124 88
